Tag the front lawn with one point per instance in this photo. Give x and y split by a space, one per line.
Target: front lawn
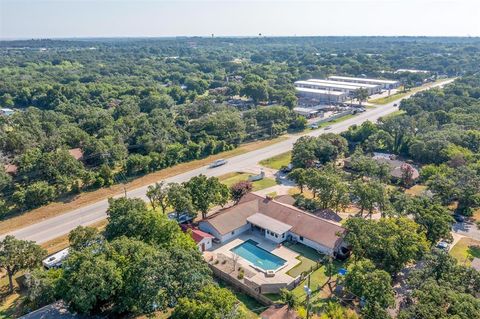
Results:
416 190
232 178
277 161
465 250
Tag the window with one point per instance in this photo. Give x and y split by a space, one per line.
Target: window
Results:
276 236
233 232
283 235
301 238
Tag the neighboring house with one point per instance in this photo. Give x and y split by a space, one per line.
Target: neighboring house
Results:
476 264
6 111
76 153
397 167
203 239
10 169
56 310
277 222
279 312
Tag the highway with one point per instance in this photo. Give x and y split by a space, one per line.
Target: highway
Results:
62 224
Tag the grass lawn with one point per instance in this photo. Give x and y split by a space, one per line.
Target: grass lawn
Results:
465 250
308 258
317 279
390 98
416 190
393 114
11 305
277 161
232 178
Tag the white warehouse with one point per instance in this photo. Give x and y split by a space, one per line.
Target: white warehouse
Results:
386 84
371 88
318 96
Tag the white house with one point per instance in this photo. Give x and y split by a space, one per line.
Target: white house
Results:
277 222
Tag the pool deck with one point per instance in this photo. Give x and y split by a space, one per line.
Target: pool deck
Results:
259 277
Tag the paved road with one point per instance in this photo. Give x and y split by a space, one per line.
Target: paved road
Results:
89 214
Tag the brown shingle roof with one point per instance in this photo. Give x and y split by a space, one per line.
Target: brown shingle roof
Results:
76 153
10 168
303 224
278 312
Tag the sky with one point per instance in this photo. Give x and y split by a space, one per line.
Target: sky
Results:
21 19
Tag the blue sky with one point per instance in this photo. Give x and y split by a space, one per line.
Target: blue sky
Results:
116 18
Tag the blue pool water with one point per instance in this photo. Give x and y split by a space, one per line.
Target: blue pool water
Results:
258 256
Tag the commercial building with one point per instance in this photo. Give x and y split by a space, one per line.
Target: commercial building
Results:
371 88
348 88
386 84
319 96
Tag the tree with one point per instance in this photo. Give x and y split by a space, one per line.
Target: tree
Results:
361 94
83 237
178 197
435 219
299 176
157 195
328 187
210 302
240 189
16 255
330 271
206 192
90 280
371 284
390 243
288 298
371 194
336 311
42 287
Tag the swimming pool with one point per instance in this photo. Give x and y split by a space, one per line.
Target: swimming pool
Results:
259 257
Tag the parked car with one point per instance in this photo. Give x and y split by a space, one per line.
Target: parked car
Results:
218 162
314 126
443 245
327 128
395 104
459 218
181 218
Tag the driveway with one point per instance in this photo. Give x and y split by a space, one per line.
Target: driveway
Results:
467 229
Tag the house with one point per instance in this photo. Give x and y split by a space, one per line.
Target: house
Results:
396 167
203 239
6 111
10 169
476 264
76 153
277 222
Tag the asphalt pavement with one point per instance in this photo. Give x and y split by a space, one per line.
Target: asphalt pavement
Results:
62 224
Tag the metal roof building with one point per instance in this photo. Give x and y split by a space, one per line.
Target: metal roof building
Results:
321 96
371 88
386 84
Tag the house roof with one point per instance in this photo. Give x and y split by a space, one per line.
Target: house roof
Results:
199 235
77 153
396 167
303 224
269 223
476 264
278 312
10 168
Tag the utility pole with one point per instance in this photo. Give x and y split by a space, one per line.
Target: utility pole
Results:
307 289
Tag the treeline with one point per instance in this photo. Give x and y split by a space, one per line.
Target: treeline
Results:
134 106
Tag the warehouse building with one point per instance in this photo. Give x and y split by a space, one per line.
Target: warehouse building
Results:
335 87
311 96
386 84
371 88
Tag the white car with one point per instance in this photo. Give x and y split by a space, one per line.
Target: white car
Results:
218 162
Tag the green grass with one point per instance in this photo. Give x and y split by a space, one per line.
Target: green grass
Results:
232 178
465 250
317 279
308 258
390 98
277 161
393 114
